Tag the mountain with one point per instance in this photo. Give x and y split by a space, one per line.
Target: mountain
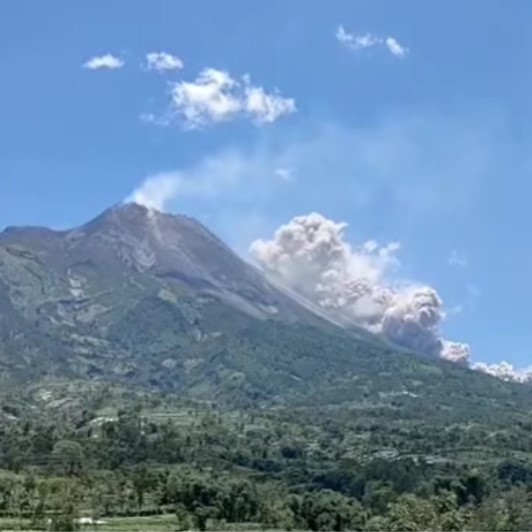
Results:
155 300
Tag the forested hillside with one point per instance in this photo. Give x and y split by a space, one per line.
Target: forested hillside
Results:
71 453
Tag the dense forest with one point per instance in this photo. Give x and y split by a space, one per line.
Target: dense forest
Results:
106 455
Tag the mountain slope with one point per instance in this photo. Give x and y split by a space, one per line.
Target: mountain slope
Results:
152 299
130 281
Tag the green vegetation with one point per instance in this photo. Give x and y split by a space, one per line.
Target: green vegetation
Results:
152 380
155 462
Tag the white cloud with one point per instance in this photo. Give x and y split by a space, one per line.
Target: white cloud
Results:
214 96
359 41
209 99
356 41
457 259
264 107
163 62
395 48
107 62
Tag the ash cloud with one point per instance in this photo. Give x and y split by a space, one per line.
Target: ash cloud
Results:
505 371
310 255
455 352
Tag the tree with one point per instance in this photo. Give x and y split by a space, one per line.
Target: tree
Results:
183 517
143 480
65 519
327 510
512 511
60 499
275 513
411 513
202 515
69 457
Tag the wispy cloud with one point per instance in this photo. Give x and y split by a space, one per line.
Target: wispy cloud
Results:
359 41
286 174
163 62
455 310
394 47
215 97
438 180
104 62
457 259
474 291
356 41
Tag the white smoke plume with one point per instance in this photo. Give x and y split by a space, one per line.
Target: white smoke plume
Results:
310 255
413 319
504 371
156 191
219 175
456 352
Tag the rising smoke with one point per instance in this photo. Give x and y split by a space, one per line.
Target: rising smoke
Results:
310 255
504 371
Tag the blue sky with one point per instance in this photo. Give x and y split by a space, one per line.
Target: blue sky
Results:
432 149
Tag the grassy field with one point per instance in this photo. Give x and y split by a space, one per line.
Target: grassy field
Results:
150 523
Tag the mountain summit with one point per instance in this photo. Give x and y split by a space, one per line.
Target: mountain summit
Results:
132 289
117 253
157 300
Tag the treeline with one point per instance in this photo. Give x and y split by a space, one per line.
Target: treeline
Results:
283 469
205 501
